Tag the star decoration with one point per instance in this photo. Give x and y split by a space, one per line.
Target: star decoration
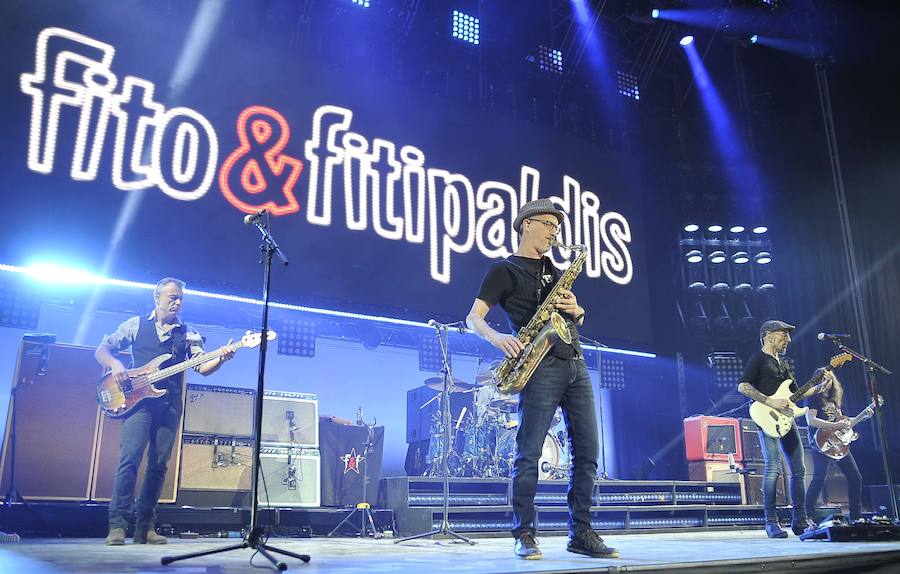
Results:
352 460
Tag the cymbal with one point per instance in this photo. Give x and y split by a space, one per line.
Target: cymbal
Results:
456 385
485 378
507 403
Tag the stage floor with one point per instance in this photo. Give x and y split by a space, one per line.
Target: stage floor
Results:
728 552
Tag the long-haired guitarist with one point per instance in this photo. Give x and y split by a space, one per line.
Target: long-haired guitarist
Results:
520 284
765 372
825 413
154 422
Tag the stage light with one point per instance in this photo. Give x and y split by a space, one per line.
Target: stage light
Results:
59 274
691 227
550 60
754 38
361 3
466 28
743 289
740 258
765 289
763 258
717 257
694 256
697 287
720 288
686 41
628 85
760 229
737 229
654 13
714 228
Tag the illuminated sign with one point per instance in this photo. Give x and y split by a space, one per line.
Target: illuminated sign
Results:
385 187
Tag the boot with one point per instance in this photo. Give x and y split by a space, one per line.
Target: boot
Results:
116 537
148 536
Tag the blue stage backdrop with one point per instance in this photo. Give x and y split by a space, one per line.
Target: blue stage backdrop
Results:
146 138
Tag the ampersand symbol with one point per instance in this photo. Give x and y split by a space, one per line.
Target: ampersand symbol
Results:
259 164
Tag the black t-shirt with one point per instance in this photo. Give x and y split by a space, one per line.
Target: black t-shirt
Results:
766 374
519 285
826 409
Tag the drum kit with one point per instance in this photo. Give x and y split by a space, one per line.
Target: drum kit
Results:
483 437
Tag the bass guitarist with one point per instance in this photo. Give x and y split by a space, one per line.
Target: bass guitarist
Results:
764 373
825 413
155 422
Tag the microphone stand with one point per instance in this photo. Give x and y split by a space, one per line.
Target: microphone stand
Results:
440 331
871 368
256 536
603 474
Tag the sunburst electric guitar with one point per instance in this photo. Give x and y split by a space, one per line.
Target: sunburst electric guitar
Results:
836 443
118 399
777 423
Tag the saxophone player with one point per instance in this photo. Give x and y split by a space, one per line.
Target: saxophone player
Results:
520 284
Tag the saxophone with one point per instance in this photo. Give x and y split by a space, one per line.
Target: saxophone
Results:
544 329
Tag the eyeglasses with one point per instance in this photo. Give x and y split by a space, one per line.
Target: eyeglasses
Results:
549 225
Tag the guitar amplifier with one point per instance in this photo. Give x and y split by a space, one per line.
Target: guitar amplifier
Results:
750 446
223 411
712 438
292 477
753 480
216 463
715 471
284 413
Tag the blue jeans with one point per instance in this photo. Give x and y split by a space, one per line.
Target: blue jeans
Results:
793 452
155 424
564 383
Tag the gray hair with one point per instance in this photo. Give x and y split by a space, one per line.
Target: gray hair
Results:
165 281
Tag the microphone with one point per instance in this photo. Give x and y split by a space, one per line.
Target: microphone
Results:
432 323
252 218
833 336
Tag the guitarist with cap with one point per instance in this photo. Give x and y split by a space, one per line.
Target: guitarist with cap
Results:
764 373
154 422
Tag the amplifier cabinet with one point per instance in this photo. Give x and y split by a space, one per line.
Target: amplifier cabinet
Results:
711 438
290 419
716 471
216 463
55 401
292 477
750 446
213 410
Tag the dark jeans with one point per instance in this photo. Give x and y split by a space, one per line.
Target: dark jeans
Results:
851 472
793 452
565 383
154 423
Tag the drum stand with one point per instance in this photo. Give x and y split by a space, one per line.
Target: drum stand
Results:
444 529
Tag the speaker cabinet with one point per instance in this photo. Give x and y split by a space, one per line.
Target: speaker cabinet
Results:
750 447
215 463
715 471
55 401
223 411
284 411
292 477
107 459
712 438
753 486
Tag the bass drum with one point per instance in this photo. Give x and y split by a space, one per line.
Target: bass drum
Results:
554 461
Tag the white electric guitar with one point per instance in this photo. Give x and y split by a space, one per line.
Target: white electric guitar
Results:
777 423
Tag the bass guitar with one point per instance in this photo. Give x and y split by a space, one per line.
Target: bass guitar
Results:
118 399
836 443
777 423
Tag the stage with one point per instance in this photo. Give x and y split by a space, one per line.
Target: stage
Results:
710 551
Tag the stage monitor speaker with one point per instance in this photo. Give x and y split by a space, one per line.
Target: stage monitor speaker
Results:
292 477
284 410
215 463
107 459
711 438
55 394
750 447
753 486
223 411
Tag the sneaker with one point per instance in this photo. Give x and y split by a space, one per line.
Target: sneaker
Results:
527 547
149 537
798 527
116 537
775 531
589 543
